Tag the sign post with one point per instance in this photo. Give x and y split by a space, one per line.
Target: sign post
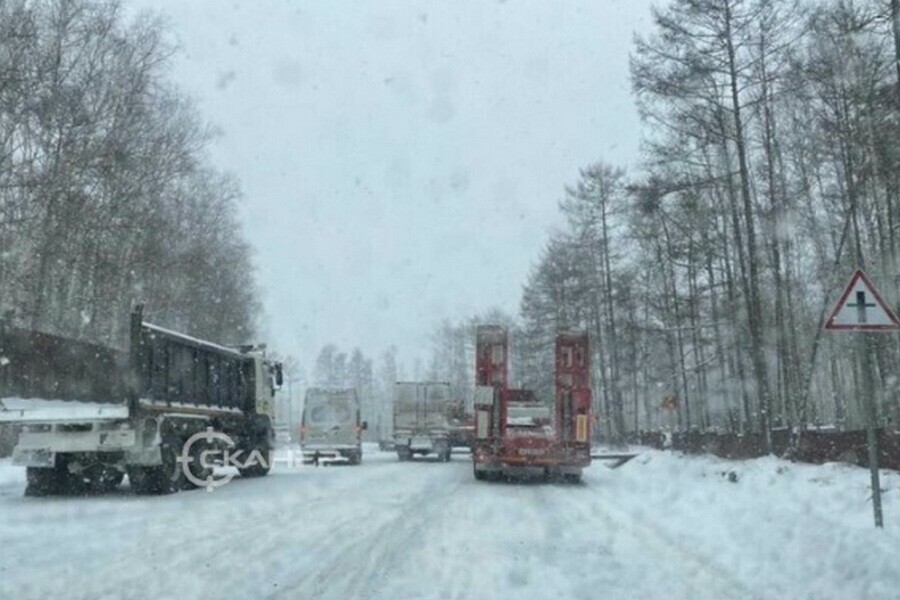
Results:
861 309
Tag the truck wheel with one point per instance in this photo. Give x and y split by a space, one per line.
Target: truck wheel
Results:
165 478
259 468
403 454
103 479
196 468
58 479
146 481
43 481
137 479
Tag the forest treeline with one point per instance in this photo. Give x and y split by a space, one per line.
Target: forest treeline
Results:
107 197
769 172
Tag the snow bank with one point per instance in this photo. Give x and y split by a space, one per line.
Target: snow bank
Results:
781 529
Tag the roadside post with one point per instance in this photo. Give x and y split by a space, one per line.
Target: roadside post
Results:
862 310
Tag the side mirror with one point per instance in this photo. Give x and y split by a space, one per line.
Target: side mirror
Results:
279 375
365 425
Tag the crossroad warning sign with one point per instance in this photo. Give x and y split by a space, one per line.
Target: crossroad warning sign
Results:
861 308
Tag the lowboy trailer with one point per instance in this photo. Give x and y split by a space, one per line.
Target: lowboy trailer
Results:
516 433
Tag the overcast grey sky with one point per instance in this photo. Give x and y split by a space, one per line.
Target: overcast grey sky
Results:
402 160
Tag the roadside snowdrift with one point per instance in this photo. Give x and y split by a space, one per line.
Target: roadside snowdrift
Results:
782 529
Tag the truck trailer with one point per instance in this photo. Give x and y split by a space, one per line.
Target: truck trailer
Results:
421 423
164 412
514 432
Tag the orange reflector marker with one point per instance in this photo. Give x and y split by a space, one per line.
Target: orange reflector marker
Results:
581 423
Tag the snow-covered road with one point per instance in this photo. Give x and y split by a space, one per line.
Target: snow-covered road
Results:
662 527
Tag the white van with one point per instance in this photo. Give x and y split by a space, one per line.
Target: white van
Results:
331 430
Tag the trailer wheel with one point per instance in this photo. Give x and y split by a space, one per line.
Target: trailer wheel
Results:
479 475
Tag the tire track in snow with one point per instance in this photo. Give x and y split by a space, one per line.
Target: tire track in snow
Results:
359 566
700 575
160 546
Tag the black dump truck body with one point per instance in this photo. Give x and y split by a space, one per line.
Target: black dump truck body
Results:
91 414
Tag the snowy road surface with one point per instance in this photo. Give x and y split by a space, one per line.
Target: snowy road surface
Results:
662 527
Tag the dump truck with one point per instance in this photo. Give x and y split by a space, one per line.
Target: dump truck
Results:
421 424
514 432
164 412
331 428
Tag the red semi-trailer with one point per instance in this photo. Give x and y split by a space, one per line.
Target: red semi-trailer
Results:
516 433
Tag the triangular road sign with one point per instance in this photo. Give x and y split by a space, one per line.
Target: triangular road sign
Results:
861 308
